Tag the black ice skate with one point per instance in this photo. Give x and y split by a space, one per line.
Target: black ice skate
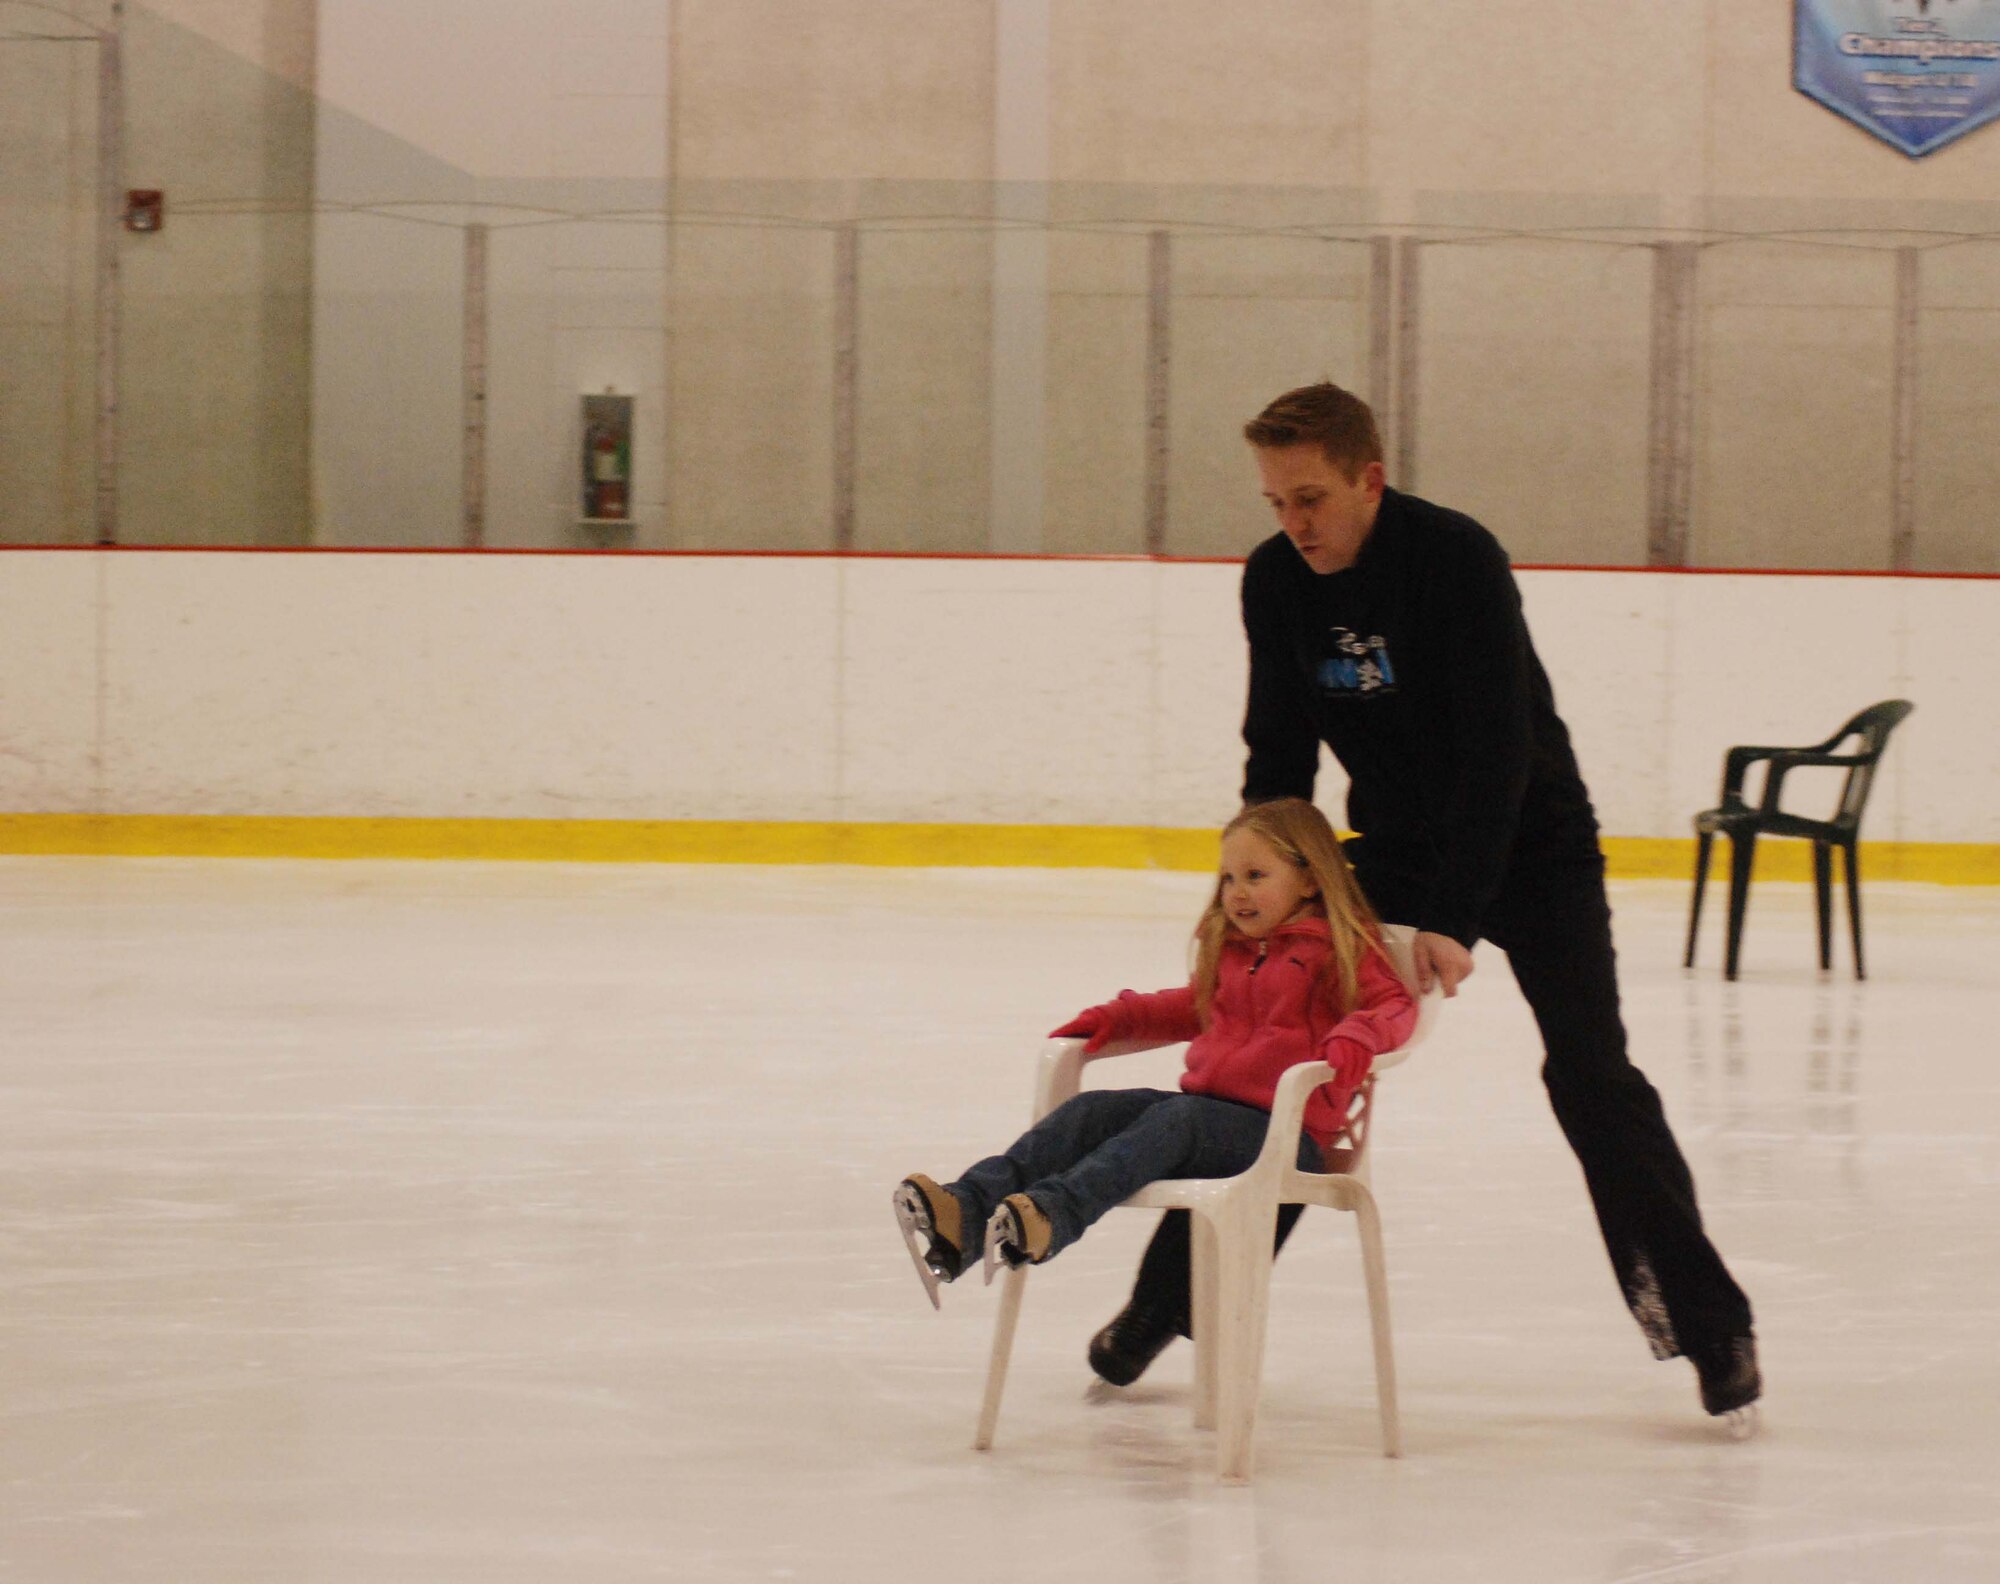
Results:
926 1211
1018 1233
1121 1352
1731 1384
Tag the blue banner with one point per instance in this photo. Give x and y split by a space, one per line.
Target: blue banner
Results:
1916 73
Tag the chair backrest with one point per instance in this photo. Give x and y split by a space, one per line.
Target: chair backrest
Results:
1400 941
1872 726
1351 1155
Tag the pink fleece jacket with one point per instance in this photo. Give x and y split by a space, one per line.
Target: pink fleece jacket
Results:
1272 1011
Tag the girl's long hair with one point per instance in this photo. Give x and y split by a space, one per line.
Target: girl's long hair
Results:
1300 835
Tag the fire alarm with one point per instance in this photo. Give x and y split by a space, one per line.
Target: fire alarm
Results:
145 209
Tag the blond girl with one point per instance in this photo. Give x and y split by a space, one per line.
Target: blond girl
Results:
1288 968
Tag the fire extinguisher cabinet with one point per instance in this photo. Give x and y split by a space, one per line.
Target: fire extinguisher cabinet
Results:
607 459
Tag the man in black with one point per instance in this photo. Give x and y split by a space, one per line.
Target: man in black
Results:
1391 629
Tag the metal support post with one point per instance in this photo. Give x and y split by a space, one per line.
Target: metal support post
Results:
1382 330
1409 323
110 221
1159 374
1903 432
474 489
1017 427
1670 449
846 378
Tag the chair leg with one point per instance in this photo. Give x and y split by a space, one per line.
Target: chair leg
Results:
1854 904
1244 1288
1823 901
1203 1271
1013 1285
1369 1223
1703 842
1742 854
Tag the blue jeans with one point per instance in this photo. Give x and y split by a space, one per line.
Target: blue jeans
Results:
1097 1150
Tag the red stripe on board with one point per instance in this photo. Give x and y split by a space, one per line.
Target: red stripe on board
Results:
1706 571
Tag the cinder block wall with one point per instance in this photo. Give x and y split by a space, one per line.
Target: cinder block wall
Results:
1539 145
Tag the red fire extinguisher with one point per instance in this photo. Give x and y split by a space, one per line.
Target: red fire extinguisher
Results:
609 471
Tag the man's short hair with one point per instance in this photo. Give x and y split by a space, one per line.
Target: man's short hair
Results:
1339 422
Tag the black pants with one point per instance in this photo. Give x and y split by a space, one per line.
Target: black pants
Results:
1556 931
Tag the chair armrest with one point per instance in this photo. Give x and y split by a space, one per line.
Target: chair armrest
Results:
1746 756
1815 757
1059 1072
1736 765
1737 762
1288 1114
1788 759
1058 1075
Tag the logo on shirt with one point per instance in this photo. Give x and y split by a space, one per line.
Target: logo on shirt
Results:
1357 665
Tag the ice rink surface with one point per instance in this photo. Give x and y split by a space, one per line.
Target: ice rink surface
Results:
473 1224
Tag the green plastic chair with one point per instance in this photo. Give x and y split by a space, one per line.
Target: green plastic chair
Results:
1743 824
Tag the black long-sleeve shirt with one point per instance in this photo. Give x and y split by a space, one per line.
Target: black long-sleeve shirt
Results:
1415 667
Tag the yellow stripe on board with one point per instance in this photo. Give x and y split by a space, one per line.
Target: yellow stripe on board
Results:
777 842
611 841
1938 863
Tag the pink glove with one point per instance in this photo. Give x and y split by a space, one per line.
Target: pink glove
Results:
1351 1063
1096 1026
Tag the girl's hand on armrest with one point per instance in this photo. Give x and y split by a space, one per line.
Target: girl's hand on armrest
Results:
1093 1025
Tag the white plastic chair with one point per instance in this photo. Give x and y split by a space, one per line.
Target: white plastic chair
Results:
1234 1224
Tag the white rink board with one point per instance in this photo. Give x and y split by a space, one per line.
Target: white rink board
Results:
882 688
49 689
